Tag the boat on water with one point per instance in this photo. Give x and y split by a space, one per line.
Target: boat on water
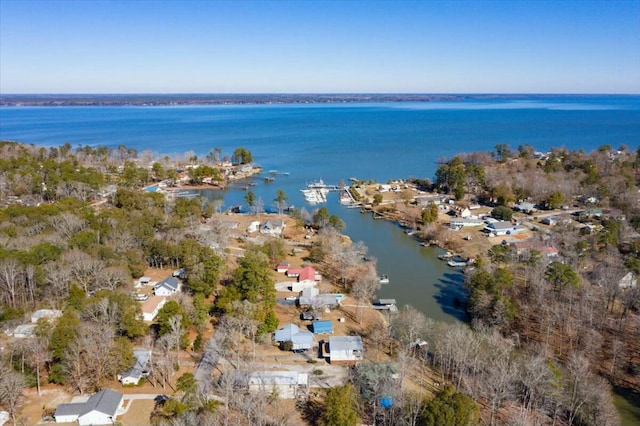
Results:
269 179
458 261
384 279
446 256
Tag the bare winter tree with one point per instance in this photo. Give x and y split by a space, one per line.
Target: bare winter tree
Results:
12 385
83 268
11 281
67 224
365 287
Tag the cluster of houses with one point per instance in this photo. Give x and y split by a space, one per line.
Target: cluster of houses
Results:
345 350
151 305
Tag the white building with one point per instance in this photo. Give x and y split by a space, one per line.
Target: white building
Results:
167 287
151 307
139 370
100 409
345 349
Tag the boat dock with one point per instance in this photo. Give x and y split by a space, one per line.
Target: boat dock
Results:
386 305
316 192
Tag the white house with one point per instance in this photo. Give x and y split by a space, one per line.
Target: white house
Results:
167 287
151 307
461 223
253 227
49 314
345 349
273 227
139 370
100 409
504 228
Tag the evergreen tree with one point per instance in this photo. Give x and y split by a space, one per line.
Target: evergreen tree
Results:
339 407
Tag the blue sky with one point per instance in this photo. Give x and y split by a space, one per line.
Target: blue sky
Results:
319 47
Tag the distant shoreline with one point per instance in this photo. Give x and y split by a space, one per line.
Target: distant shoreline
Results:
257 99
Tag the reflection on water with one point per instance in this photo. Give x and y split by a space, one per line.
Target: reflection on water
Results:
416 276
628 405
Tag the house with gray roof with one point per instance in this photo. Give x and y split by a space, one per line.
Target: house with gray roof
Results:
167 287
291 333
139 370
100 409
504 228
346 350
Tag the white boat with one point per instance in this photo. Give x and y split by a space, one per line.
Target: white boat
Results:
384 279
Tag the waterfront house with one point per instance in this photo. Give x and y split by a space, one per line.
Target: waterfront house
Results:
282 267
299 339
346 350
504 228
139 370
273 227
167 287
461 223
99 409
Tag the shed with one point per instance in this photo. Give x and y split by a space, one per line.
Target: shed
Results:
321 327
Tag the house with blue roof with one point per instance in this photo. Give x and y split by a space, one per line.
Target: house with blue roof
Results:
300 339
322 327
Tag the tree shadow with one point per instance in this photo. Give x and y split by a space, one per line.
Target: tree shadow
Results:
311 410
452 296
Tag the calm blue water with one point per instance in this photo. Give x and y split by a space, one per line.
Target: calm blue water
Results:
334 142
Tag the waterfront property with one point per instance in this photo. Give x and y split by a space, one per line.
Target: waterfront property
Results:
273 227
504 228
346 350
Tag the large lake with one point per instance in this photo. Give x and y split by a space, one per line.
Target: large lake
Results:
334 142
